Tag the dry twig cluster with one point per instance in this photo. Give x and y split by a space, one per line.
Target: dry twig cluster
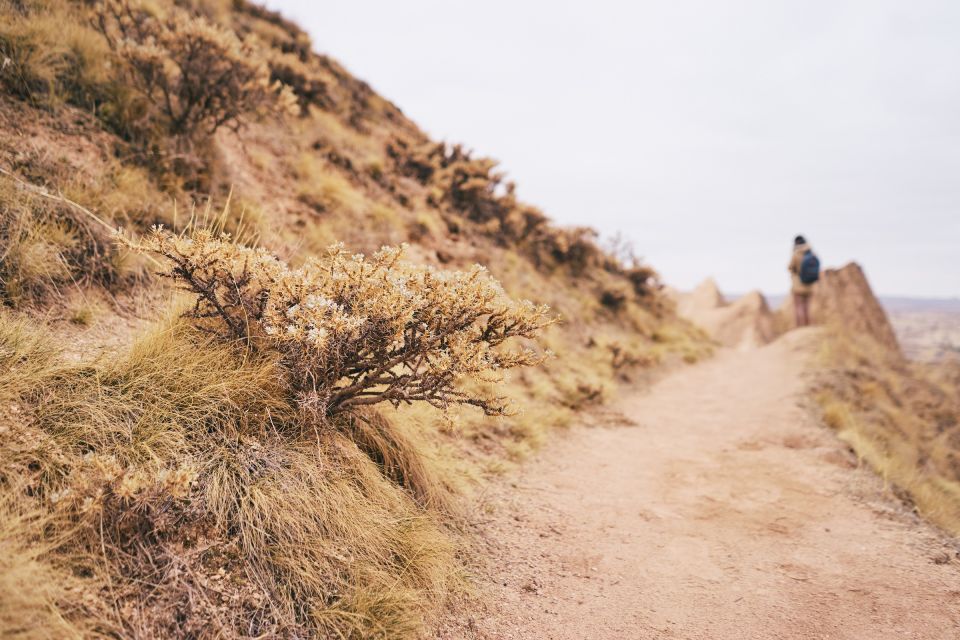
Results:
194 76
353 331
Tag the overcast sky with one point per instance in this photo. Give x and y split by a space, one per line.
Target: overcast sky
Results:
709 133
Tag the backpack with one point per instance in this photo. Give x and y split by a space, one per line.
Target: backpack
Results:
809 268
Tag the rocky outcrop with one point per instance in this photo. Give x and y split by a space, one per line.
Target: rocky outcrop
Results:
705 297
748 320
843 298
745 322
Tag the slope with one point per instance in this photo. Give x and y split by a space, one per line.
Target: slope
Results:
161 477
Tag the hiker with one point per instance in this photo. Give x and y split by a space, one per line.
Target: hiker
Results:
805 270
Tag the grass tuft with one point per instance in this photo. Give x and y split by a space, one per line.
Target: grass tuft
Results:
180 464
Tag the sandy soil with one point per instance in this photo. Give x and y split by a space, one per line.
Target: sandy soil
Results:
724 512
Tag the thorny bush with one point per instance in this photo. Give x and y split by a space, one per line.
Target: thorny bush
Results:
353 331
194 76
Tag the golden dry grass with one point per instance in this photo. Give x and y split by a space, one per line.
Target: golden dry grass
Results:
32 591
178 462
900 418
52 55
324 189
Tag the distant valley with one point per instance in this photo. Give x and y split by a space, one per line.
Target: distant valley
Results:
928 328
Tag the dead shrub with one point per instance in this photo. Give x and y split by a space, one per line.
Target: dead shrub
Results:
467 185
352 331
622 260
280 32
290 70
473 189
643 278
614 298
192 76
572 247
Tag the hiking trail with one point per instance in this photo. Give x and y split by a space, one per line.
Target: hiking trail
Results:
724 512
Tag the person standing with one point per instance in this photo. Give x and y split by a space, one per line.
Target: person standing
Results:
805 271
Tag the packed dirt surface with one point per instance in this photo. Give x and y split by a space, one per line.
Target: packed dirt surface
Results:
724 512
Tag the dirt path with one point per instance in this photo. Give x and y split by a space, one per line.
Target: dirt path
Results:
725 513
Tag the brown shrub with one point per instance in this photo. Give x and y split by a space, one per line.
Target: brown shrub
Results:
473 189
614 298
352 332
192 76
643 278
273 27
573 247
291 71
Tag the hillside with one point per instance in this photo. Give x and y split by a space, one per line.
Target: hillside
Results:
206 440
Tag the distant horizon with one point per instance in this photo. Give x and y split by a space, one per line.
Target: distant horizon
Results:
895 306
708 135
881 296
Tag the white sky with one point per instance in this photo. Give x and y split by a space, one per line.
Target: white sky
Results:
709 133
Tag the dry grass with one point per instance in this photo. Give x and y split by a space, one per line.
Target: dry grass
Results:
46 245
325 190
32 591
123 194
334 133
900 418
53 55
179 464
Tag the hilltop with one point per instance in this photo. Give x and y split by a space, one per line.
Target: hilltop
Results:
232 450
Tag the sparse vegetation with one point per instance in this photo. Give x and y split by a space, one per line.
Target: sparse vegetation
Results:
179 464
325 190
471 187
901 418
48 55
